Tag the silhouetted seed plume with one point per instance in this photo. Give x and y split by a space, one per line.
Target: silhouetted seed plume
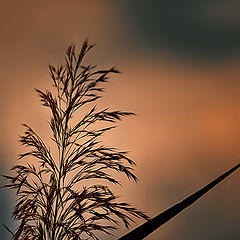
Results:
151 225
67 196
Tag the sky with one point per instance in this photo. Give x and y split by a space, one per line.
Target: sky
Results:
180 69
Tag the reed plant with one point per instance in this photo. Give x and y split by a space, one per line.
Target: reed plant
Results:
68 195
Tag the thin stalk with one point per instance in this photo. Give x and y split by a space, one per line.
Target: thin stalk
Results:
60 171
147 228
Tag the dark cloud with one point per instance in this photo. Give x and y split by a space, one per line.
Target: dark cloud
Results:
199 29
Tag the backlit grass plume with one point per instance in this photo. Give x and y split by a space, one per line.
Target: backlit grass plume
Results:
67 196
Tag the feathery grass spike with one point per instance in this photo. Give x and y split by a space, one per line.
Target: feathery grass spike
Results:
67 196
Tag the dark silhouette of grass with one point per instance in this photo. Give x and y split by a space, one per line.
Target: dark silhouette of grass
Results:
147 228
67 196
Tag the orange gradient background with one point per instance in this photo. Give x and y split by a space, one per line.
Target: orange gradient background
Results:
187 128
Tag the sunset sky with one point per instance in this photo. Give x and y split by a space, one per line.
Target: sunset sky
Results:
180 69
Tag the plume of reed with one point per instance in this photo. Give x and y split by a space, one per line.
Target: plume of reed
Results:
67 196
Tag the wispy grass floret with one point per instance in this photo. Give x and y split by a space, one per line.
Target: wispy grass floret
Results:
67 196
